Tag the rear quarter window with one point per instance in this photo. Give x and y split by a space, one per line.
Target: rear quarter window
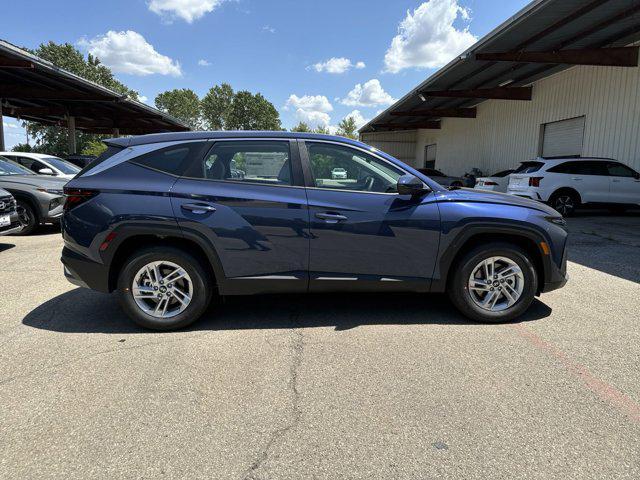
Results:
173 160
529 167
108 153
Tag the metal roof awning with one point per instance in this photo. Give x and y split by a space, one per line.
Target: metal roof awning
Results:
547 36
34 89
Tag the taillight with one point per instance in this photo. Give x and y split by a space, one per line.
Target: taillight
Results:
535 181
77 196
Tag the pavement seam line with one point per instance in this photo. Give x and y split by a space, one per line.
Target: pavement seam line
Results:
603 390
297 346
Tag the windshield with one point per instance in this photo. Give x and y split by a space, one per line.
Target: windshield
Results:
65 167
528 167
10 168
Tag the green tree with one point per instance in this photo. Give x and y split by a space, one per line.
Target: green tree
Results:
53 139
94 147
183 104
348 128
321 129
216 106
301 127
224 109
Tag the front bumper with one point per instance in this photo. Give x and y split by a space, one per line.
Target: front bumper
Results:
14 227
556 277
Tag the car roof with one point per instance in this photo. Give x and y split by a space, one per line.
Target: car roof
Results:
569 159
28 155
212 135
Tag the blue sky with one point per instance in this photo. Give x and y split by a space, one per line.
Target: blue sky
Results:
281 48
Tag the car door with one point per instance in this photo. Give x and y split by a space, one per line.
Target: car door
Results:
247 199
590 179
625 184
363 234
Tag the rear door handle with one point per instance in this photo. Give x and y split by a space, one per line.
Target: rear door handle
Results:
331 217
198 208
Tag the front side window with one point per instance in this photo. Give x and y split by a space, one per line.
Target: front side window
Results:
65 167
619 170
33 165
343 168
10 168
264 162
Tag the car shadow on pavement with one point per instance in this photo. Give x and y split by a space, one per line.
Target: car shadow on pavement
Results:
6 246
85 311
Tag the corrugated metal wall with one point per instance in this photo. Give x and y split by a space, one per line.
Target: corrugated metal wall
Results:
401 145
508 132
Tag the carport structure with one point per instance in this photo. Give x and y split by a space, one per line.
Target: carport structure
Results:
36 90
546 37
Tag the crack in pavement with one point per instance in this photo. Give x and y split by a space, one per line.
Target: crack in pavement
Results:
297 346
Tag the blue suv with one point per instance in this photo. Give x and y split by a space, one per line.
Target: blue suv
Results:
169 220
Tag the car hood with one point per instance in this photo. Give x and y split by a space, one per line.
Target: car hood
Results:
483 196
34 180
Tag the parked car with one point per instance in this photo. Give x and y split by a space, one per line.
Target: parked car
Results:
39 198
179 228
567 183
9 222
43 164
497 182
441 178
80 160
339 173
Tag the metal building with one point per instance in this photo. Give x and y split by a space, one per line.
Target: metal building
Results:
561 77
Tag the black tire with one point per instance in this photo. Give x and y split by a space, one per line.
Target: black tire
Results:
458 287
565 202
202 288
28 217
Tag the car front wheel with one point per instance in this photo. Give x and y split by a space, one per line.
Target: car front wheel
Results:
494 283
163 288
27 217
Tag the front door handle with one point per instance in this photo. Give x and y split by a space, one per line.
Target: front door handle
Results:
331 217
198 208
578 179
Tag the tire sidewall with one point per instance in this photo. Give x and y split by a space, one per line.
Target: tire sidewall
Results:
33 217
574 197
201 288
460 288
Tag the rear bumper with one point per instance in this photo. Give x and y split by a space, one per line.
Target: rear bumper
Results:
83 272
527 193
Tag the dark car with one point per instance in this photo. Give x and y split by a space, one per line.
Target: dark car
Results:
441 178
9 221
162 220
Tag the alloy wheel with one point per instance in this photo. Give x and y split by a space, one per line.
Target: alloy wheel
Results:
24 215
564 205
496 284
162 289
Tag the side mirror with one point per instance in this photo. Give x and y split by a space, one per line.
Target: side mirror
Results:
411 185
636 176
46 171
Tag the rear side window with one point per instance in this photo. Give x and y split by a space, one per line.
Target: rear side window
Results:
504 173
528 167
172 160
262 162
108 153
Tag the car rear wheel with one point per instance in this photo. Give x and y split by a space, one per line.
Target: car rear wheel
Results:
494 283
28 218
163 288
565 203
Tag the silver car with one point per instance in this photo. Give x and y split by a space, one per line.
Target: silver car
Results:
43 164
39 198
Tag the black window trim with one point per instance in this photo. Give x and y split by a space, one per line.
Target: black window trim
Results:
308 176
192 172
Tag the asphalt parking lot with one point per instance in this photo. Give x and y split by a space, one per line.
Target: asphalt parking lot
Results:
286 387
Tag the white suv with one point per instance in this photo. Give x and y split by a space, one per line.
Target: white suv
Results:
43 164
566 183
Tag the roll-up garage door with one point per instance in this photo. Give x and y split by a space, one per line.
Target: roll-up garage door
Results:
563 138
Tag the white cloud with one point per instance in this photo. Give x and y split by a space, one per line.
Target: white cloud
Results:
188 10
427 38
129 52
311 109
10 125
369 94
336 65
204 63
358 118
142 98
268 29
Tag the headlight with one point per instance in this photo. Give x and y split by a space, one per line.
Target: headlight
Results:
558 221
52 191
